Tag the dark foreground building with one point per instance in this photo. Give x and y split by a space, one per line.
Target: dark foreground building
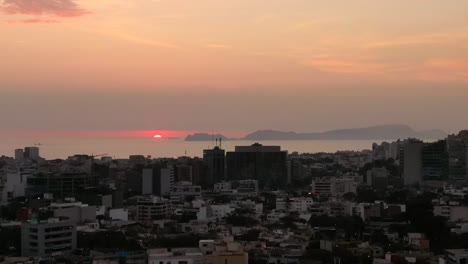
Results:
266 164
215 162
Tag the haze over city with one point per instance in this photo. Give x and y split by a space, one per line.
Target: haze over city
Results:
233 132
232 66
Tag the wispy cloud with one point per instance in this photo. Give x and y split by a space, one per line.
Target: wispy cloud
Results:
307 24
218 46
54 8
31 21
350 66
440 70
422 39
137 39
444 70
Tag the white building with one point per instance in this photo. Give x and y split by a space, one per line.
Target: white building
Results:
185 190
119 214
152 208
295 204
76 212
249 204
460 228
215 211
15 185
221 210
452 213
175 256
455 256
334 186
456 191
48 238
241 187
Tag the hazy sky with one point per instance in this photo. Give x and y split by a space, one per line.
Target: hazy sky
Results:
236 65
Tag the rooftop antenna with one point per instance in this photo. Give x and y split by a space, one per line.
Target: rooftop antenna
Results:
220 140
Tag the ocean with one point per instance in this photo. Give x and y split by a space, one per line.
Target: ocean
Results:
52 148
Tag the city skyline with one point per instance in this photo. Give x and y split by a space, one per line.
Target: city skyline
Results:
304 66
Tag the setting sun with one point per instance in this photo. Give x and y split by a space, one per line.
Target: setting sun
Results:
157 136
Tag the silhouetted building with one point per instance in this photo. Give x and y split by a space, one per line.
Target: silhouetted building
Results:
63 185
266 164
19 155
457 147
157 181
412 162
183 172
297 172
31 153
215 161
199 172
435 161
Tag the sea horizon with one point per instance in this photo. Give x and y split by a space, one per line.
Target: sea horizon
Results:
122 148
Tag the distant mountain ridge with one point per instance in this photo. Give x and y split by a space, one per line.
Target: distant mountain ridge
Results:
389 132
366 133
205 137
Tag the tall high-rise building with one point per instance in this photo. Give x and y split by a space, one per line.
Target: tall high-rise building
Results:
31 153
435 160
466 154
147 181
183 172
199 172
215 161
157 181
412 165
266 164
457 156
19 155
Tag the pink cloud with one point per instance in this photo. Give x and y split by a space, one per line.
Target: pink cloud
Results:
51 8
439 70
445 70
31 21
346 66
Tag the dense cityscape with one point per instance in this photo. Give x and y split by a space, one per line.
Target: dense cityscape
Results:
398 202
233 132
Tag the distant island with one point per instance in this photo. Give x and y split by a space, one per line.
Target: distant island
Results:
367 133
205 137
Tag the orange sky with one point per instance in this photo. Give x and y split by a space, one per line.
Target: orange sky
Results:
305 56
